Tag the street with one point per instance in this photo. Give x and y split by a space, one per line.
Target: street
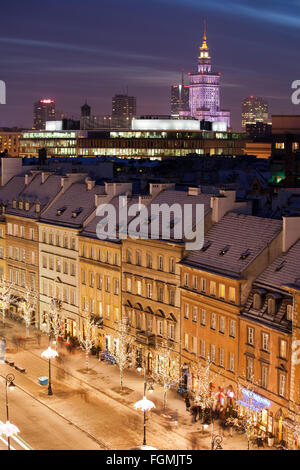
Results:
87 410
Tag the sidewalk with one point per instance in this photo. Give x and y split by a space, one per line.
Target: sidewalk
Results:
104 378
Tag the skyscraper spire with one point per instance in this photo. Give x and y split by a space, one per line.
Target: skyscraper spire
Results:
204 45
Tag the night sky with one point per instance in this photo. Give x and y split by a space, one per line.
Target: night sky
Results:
73 50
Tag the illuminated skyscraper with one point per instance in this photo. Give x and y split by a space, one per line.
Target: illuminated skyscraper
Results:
43 110
123 110
204 89
254 109
180 98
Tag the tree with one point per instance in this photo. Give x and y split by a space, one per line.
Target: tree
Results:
28 306
167 372
6 297
55 319
205 377
86 337
123 352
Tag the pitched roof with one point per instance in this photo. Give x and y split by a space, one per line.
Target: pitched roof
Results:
284 270
77 199
235 242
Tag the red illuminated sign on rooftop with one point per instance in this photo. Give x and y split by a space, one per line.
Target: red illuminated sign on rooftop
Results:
47 101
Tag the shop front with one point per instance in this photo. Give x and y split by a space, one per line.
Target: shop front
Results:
258 407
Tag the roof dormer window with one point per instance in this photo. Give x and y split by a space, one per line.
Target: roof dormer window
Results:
257 301
76 212
271 306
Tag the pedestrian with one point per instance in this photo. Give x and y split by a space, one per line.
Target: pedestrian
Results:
38 337
187 403
194 414
199 412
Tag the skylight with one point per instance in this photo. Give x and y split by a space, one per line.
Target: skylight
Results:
76 212
206 246
245 254
224 250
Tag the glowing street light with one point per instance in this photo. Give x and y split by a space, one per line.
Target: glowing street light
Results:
144 405
8 429
49 354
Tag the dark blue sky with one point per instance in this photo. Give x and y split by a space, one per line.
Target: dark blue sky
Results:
70 50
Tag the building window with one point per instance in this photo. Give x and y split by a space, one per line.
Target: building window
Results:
116 259
128 288
264 372
281 384
73 243
107 287
250 335
222 324
66 267
212 288
283 348
195 313
232 294
149 260
221 357
160 294
172 297
9 229
99 281
249 369
213 321
195 282
128 256
213 353
160 329
222 291
100 309
58 265
194 345
91 279
265 341
116 288
139 321
45 262
116 315
257 301
138 258
107 312
271 306
186 310
83 277
171 332
202 348
203 317
186 341
289 312
73 269
232 328
139 287
31 234
231 362
160 263
172 265
22 231
186 280
149 291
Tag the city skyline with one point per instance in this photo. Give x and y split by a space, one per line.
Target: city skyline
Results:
109 54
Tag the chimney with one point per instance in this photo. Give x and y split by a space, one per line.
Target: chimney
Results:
114 189
192 191
44 176
62 181
222 204
90 184
290 232
156 188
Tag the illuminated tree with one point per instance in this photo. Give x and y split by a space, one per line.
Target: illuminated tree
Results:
167 371
204 376
86 337
55 319
28 306
6 297
123 352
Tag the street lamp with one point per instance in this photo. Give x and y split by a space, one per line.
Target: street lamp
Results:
8 429
49 354
145 405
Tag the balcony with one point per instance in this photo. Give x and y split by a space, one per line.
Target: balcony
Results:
145 337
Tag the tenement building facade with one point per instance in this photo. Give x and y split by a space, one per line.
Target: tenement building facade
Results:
234 300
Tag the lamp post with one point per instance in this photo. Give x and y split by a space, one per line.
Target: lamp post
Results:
49 354
8 429
145 405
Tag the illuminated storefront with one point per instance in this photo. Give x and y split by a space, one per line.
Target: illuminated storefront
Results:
259 409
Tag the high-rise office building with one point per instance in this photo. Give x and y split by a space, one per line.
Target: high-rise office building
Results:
254 109
85 110
179 98
43 110
204 90
123 110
